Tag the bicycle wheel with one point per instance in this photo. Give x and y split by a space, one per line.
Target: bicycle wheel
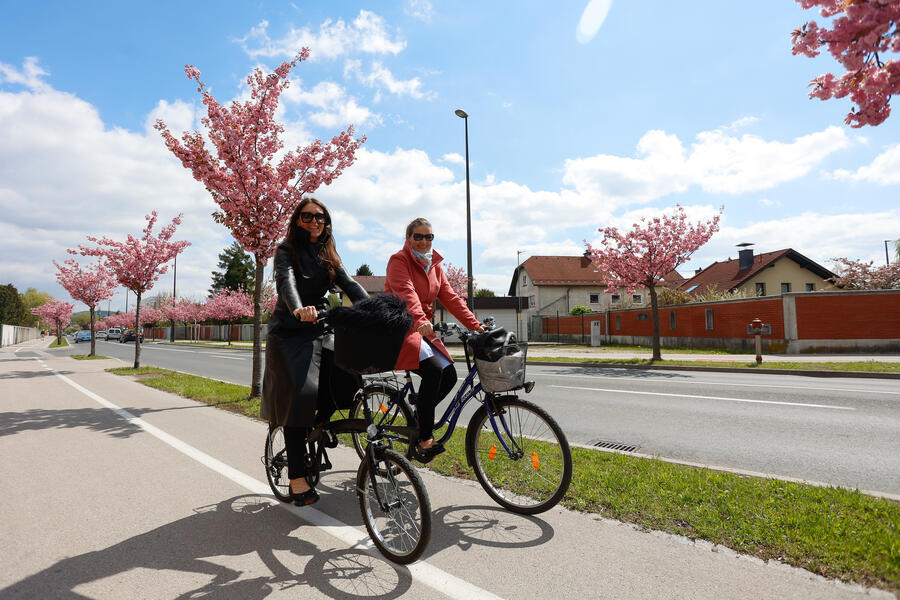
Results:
276 463
396 509
538 473
378 398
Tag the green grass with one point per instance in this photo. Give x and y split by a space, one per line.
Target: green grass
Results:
61 343
89 357
834 532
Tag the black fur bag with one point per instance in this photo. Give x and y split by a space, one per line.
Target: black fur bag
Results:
368 335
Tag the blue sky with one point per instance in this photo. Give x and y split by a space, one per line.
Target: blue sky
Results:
700 104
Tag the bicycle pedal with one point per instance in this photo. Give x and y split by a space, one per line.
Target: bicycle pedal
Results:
331 440
326 464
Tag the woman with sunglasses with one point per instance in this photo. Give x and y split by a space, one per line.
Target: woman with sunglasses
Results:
301 384
415 274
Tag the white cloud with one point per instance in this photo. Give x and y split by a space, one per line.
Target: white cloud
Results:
179 116
717 162
454 158
367 34
381 77
884 170
337 108
420 9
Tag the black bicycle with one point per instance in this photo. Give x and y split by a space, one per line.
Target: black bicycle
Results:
519 453
392 498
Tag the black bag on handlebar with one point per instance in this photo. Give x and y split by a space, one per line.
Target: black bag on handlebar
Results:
368 335
500 360
490 345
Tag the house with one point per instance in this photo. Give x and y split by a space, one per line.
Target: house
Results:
373 284
767 274
556 284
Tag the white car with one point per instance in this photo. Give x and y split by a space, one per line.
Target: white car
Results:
113 333
100 335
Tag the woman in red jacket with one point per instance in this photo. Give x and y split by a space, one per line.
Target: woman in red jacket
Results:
415 274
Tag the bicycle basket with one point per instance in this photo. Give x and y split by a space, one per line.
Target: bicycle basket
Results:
500 360
368 335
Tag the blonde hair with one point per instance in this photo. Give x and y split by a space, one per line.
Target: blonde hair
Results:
418 221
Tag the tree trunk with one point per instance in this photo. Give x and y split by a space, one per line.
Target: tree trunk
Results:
256 378
230 331
654 304
58 334
93 335
137 332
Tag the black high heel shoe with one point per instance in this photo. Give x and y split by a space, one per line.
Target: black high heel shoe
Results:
426 455
306 498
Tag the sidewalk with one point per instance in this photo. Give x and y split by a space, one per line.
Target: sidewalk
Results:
63 546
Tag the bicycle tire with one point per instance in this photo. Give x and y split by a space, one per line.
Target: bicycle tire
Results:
533 482
378 395
275 461
402 532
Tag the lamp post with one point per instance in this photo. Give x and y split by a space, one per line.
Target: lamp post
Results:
518 313
465 117
887 257
174 298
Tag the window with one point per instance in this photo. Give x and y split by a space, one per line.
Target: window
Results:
524 279
760 290
531 301
614 299
810 287
637 298
595 299
618 322
672 320
709 318
643 317
785 288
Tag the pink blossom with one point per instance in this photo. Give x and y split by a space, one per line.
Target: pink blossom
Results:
859 275
89 285
861 34
56 314
228 305
255 193
643 256
458 280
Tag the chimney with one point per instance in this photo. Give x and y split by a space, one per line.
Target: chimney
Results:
697 272
745 256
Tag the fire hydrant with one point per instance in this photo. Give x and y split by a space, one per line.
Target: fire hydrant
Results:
757 327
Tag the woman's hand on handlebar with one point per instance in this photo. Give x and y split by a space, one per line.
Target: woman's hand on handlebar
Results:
480 328
426 330
307 313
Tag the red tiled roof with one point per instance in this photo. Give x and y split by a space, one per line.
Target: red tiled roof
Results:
727 275
562 270
371 283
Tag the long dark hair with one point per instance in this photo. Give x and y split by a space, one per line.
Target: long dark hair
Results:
299 237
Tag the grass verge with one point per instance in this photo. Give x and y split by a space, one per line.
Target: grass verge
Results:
89 357
833 532
62 343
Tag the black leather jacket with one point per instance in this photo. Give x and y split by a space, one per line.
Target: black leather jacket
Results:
302 280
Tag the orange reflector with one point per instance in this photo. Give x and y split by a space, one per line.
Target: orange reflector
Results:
382 408
492 453
534 460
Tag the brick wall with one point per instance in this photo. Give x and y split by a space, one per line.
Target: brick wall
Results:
872 315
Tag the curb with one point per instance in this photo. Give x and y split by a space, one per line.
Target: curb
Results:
802 372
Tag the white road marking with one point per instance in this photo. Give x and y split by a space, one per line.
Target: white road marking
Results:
566 387
728 384
228 357
429 575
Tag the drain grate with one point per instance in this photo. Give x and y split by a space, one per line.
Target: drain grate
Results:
615 446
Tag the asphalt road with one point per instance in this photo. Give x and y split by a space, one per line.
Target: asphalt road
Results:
837 431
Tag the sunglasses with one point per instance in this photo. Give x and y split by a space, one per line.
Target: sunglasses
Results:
307 217
423 236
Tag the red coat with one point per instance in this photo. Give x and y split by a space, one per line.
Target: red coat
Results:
407 278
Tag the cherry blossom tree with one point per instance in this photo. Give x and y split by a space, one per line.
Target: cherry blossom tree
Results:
269 298
458 280
643 256
228 305
859 275
138 262
55 313
90 285
254 183
862 32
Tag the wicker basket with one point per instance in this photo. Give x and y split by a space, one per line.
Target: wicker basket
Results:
505 374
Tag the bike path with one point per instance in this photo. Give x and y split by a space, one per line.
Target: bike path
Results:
104 506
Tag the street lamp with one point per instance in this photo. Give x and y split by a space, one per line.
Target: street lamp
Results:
518 316
887 257
465 117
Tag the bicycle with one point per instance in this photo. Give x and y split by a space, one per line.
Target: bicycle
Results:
393 500
520 455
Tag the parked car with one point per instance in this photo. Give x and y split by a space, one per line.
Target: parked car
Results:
114 333
101 335
128 335
84 335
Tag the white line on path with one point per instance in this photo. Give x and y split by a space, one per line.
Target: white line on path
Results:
567 387
429 575
722 383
